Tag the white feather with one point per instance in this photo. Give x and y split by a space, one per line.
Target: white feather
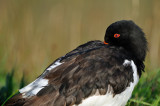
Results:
57 63
117 100
34 87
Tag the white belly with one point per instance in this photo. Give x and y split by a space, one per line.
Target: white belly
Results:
108 99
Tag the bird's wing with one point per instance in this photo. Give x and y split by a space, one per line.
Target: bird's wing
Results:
79 76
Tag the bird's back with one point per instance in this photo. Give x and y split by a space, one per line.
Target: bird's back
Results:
94 74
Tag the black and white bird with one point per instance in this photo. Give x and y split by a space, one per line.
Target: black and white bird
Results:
94 74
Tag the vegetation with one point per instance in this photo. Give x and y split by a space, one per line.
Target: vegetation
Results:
33 33
146 93
10 88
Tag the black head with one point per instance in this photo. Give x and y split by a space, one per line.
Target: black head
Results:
129 36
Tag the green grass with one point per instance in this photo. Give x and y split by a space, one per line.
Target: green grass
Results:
10 87
146 93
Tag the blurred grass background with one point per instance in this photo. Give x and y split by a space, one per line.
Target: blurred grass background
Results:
33 33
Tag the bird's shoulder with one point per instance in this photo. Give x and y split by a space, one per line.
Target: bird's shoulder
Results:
89 69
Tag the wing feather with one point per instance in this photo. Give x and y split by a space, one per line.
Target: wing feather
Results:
82 74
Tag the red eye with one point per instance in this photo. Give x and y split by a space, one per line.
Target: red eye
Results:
116 35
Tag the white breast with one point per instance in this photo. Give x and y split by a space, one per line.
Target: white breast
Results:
119 99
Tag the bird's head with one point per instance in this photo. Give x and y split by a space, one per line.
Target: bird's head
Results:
129 36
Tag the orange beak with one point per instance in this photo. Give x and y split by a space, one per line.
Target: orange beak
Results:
106 43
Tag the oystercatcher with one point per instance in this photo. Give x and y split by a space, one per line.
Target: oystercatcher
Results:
94 74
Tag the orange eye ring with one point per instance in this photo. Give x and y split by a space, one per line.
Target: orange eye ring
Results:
116 35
